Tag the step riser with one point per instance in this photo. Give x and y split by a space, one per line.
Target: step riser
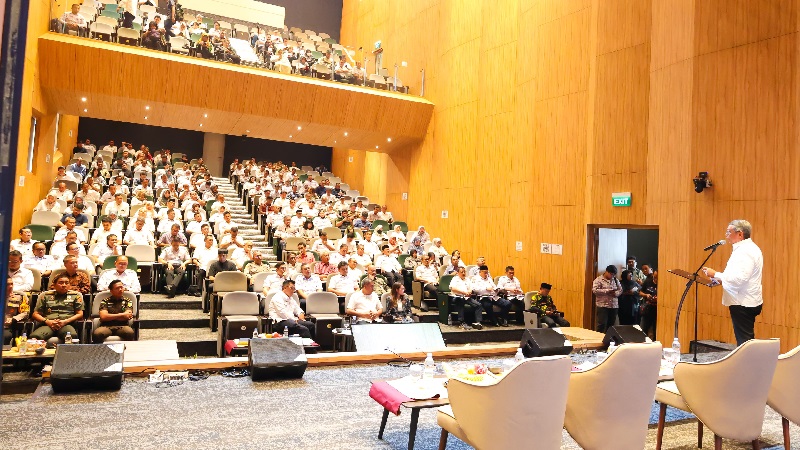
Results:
162 324
166 304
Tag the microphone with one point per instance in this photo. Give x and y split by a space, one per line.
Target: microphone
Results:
714 245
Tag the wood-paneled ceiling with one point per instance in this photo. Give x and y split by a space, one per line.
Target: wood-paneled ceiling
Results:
137 85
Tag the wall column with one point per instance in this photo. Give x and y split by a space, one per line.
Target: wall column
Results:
213 153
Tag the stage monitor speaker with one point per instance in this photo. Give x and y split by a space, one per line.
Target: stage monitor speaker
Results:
544 342
622 334
276 358
79 367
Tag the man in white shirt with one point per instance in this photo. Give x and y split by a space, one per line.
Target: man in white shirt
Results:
322 221
59 249
390 266
438 249
69 225
352 269
362 257
429 276
24 244
174 259
462 293
340 256
140 235
274 282
39 261
473 271
364 304
350 242
62 193
232 239
122 273
88 194
22 277
84 263
741 280
197 239
323 244
510 287
49 203
342 283
297 220
205 254
306 283
195 225
227 225
485 289
286 313
110 248
101 233
370 246
73 21
165 225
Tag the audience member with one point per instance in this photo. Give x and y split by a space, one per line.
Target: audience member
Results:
116 311
120 272
606 289
364 304
542 304
286 313
57 310
462 292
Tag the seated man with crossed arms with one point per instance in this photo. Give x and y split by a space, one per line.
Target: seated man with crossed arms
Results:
115 312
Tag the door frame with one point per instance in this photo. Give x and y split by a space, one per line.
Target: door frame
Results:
590 271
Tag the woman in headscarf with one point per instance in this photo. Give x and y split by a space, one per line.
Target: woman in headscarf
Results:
629 300
416 244
423 235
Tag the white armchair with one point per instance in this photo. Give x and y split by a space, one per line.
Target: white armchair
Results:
784 394
608 406
510 411
728 396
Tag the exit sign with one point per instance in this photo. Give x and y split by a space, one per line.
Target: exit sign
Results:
621 199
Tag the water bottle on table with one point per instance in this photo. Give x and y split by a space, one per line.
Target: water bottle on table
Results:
286 331
429 367
675 356
68 338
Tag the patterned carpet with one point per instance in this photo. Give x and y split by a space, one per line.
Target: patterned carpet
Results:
328 409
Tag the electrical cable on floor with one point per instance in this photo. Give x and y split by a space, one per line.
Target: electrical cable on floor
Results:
234 372
400 363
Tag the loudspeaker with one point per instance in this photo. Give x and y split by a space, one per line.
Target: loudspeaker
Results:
276 358
87 366
621 334
324 331
544 342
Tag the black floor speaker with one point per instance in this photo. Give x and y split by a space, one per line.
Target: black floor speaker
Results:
622 334
276 358
544 342
80 367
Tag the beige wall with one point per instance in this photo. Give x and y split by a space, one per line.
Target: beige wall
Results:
38 181
544 108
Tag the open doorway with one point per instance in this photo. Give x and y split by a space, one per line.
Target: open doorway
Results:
612 245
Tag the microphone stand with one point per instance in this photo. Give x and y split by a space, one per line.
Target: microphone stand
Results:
692 280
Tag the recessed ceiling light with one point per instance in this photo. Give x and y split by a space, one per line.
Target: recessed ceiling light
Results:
145 117
345 133
246 131
290 136
205 115
334 142
201 124
299 128
376 146
83 99
146 107
85 110
389 140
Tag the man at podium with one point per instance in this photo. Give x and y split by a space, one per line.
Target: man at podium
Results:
741 280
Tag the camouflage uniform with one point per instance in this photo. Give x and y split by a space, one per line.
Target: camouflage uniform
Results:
114 327
52 305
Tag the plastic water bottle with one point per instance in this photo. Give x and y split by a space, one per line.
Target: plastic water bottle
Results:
68 338
23 344
255 333
519 357
676 351
286 331
429 367
611 347
449 320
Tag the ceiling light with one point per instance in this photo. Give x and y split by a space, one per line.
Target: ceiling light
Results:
85 110
246 131
201 124
376 146
290 136
345 133
299 128
145 117
334 142
389 140
83 99
146 107
205 115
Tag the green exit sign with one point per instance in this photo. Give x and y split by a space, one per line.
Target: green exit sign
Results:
621 199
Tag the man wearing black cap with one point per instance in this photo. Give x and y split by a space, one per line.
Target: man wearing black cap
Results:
606 289
543 305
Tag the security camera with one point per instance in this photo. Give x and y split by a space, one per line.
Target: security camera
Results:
701 181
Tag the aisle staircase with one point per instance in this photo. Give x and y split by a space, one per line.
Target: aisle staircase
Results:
181 318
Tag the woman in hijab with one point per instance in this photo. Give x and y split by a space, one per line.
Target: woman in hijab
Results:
629 300
423 235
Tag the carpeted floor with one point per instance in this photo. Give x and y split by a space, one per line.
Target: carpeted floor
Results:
328 409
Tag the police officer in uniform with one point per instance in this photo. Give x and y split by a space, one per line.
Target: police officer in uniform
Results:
57 310
115 312
16 310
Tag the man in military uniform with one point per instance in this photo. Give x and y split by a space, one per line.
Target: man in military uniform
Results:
115 312
379 282
16 309
542 304
57 310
